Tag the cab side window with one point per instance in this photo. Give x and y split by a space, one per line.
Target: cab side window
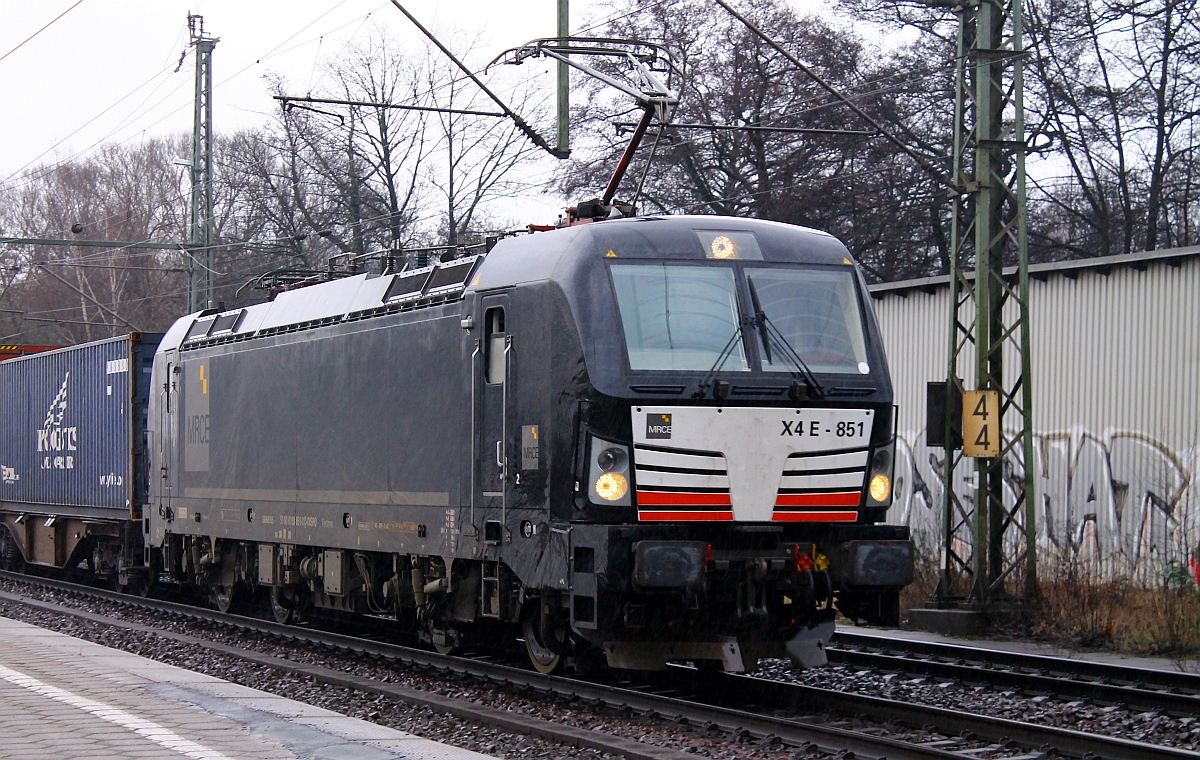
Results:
494 346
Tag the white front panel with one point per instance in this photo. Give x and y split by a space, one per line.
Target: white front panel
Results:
754 442
837 480
681 480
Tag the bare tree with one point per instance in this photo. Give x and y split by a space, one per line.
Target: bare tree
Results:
890 210
75 293
1112 92
391 143
480 159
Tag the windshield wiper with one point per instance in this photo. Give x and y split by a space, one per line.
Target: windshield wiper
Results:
710 376
768 332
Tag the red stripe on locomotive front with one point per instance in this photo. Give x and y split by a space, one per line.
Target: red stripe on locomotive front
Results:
680 516
814 516
817 499
678 498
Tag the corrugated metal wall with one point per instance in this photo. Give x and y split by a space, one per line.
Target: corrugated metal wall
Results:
1116 380
65 427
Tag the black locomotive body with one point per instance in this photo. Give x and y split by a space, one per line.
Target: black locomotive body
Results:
660 439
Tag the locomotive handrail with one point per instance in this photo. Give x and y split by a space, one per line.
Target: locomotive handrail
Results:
504 432
474 465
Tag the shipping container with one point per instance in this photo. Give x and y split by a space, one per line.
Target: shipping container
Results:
72 429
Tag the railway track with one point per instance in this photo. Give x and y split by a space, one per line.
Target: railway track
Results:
767 712
1174 693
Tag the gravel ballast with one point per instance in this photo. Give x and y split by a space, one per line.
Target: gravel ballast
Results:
425 722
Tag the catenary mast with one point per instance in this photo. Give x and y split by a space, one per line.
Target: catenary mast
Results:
202 237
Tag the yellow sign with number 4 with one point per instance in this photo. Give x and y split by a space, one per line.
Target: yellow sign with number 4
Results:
981 423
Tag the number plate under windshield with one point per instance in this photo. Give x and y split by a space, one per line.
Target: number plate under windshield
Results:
745 429
827 426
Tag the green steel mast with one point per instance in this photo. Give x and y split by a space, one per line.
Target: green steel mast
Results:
203 235
989 551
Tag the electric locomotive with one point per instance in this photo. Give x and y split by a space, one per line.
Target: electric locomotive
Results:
658 438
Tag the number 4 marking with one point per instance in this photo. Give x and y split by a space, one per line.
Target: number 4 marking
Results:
981 410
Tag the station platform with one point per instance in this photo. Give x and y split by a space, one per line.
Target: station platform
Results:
65 698
1169 664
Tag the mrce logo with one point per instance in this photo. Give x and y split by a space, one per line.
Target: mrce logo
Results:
658 426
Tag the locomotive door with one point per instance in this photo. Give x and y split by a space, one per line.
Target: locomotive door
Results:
168 417
492 380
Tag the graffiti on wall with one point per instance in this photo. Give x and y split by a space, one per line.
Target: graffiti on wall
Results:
1119 500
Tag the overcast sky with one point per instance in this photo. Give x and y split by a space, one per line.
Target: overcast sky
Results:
105 71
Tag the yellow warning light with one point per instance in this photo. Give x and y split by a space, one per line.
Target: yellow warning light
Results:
723 248
611 254
880 487
612 486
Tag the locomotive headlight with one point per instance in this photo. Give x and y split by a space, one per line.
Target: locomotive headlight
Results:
612 458
608 473
612 486
880 488
722 247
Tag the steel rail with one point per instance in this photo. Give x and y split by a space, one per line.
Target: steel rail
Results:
1175 693
1067 742
646 699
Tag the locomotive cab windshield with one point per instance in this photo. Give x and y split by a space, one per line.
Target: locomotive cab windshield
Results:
688 317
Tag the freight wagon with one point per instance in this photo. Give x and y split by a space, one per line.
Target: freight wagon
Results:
73 476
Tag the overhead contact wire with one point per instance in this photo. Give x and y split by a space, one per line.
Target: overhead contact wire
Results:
39 31
937 174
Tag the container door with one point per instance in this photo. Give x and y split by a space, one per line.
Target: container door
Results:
492 382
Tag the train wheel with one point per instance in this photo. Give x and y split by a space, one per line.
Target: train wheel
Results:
224 597
444 638
142 585
280 608
547 657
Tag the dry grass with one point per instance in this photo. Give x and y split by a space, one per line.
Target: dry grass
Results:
1120 615
1079 609
917 593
